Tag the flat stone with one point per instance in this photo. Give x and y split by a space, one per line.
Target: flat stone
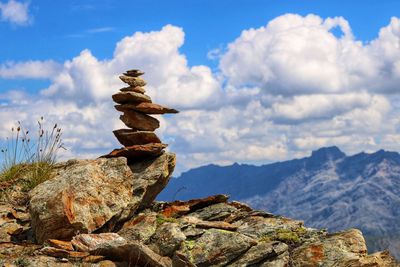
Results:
148 108
62 253
130 97
137 152
178 207
134 73
136 89
216 212
94 242
209 224
138 121
133 81
128 137
93 259
60 244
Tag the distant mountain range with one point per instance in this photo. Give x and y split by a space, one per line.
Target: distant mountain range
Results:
326 190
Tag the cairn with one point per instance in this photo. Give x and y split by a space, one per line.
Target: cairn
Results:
139 140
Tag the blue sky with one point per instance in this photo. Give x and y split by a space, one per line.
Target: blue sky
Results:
242 98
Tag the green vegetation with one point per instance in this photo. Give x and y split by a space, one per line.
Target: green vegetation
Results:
160 219
289 236
21 262
27 162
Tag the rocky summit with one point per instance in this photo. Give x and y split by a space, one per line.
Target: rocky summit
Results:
103 212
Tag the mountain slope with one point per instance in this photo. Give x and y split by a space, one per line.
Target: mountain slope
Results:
328 189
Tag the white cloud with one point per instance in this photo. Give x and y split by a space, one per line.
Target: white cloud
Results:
15 12
282 90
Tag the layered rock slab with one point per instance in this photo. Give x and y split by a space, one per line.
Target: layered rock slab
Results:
148 108
139 121
128 137
130 97
87 195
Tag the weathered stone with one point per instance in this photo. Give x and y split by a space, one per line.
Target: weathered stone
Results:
209 224
93 259
341 249
216 212
151 176
134 73
137 152
183 207
133 81
136 89
180 260
66 245
148 108
261 252
129 137
137 255
216 247
138 121
62 253
90 194
259 227
167 239
192 232
82 197
94 242
130 97
139 228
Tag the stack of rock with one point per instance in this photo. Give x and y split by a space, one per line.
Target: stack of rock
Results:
139 141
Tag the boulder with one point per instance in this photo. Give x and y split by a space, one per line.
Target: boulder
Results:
86 195
137 152
148 108
133 81
136 89
139 121
139 228
130 97
129 137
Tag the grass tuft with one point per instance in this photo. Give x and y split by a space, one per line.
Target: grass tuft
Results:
28 161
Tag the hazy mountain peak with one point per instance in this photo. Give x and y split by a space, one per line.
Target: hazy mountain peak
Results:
328 153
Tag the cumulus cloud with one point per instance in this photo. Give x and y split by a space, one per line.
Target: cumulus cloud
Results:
15 12
281 90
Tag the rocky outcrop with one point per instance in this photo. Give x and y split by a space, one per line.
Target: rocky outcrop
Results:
103 213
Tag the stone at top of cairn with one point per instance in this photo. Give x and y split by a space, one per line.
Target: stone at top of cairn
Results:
139 140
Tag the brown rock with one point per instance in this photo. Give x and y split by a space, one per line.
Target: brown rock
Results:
209 224
139 121
130 97
136 89
134 73
183 207
62 253
93 259
148 108
137 152
137 255
133 81
94 242
139 228
128 137
66 245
